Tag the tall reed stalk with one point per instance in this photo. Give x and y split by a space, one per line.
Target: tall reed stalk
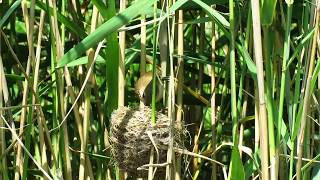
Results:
261 91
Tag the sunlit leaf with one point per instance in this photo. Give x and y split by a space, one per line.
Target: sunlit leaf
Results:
236 169
102 31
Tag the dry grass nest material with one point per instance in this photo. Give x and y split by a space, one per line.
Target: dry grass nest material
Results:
131 144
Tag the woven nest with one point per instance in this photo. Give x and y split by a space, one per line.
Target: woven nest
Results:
131 144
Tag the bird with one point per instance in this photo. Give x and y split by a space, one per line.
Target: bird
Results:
143 88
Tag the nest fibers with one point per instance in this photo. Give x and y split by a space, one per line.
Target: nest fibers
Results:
131 144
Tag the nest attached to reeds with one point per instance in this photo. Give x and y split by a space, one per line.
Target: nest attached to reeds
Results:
131 144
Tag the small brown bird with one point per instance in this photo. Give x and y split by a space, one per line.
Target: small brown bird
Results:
143 88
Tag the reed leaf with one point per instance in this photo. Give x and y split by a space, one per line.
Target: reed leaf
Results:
102 31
